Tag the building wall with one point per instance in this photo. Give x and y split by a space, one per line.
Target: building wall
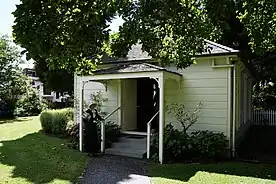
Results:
243 102
202 82
111 94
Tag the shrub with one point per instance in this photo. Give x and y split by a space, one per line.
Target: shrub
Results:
175 144
46 121
208 144
179 146
30 104
112 133
56 121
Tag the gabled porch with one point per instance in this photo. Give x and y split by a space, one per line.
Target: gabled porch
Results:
140 99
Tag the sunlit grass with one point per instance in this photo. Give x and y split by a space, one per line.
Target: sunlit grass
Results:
29 156
213 173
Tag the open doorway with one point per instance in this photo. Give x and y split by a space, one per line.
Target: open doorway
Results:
147 102
140 100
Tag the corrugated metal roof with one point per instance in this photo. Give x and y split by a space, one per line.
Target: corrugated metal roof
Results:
131 68
211 48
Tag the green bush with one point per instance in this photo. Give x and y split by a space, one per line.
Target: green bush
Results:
208 144
56 121
179 146
29 105
112 133
46 121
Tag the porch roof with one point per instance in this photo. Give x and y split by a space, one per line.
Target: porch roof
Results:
131 68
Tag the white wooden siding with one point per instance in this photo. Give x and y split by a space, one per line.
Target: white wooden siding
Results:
201 82
91 87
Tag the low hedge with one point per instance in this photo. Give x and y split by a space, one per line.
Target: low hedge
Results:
56 121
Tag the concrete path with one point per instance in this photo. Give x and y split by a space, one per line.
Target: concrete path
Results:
115 170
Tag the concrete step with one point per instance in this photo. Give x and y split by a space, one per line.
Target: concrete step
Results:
126 152
129 146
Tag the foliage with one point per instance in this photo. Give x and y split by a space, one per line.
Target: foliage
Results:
66 34
112 133
13 83
264 95
175 144
58 80
30 104
98 98
208 144
74 34
259 20
56 121
170 31
182 114
180 146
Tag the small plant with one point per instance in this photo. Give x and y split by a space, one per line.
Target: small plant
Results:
98 99
182 114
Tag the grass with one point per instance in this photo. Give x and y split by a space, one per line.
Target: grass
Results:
230 172
29 156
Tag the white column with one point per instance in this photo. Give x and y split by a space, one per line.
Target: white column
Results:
161 117
80 115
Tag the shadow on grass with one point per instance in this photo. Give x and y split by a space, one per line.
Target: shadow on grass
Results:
41 159
14 120
184 172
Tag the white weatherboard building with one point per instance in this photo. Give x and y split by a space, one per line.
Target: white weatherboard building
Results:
37 84
138 90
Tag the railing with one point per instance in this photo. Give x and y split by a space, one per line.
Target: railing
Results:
103 129
264 117
149 134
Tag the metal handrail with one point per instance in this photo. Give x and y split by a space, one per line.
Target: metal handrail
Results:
110 114
103 128
149 134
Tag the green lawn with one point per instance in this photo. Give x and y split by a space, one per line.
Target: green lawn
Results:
28 156
213 173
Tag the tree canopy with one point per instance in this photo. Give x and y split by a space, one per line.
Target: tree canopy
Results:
13 83
70 34
59 80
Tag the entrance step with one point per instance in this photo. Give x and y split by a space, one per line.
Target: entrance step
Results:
130 146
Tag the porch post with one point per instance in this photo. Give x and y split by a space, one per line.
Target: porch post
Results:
80 116
161 117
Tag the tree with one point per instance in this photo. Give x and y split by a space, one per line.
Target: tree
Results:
71 34
64 33
13 83
171 31
59 80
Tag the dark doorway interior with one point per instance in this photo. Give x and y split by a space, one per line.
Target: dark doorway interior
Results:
147 103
